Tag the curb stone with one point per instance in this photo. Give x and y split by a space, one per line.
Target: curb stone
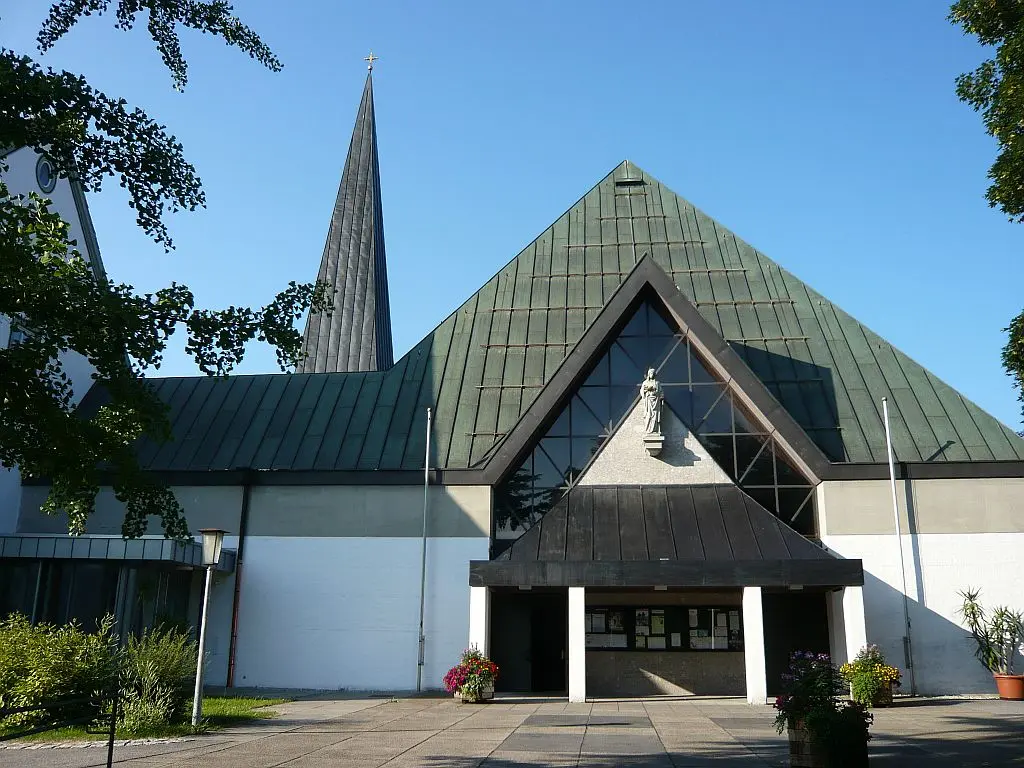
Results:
99 743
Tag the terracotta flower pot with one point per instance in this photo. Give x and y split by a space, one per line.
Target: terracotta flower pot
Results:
1010 687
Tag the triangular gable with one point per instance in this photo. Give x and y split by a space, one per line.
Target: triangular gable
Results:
648 280
624 460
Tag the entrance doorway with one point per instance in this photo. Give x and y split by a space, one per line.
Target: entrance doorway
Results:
529 640
793 621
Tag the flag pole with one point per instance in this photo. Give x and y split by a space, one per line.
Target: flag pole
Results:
908 651
421 639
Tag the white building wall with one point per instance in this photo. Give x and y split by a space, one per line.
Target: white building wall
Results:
938 567
342 613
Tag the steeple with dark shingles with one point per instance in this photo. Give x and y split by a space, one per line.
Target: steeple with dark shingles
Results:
356 336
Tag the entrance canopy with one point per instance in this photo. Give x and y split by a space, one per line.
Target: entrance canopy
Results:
677 535
111 548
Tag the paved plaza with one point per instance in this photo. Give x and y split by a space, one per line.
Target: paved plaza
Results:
650 733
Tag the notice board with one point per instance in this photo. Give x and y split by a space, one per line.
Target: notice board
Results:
664 628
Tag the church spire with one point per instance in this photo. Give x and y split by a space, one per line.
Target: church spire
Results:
356 336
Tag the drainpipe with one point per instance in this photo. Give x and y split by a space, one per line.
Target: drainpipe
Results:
421 657
243 527
908 651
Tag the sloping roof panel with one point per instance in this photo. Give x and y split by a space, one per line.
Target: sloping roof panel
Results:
485 364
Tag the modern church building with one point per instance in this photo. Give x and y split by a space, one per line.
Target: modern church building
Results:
656 462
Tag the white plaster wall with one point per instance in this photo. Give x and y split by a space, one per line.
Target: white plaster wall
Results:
337 613
937 566
624 459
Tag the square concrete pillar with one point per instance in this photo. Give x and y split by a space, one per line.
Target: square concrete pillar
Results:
846 625
854 625
577 645
836 628
753 646
479 618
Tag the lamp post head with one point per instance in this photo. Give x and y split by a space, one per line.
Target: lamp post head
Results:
213 540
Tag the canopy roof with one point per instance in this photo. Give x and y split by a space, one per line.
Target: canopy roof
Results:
671 522
111 548
676 535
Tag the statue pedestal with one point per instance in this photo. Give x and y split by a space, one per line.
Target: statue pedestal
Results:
653 443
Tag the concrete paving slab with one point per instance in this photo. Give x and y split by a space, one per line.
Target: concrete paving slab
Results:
502 759
621 743
652 733
550 740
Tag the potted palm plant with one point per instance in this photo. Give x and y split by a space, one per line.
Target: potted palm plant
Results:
998 638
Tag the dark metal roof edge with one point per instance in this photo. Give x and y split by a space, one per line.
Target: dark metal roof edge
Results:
909 470
648 276
679 573
92 246
256 477
949 470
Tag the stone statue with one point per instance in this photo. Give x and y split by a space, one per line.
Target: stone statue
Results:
650 394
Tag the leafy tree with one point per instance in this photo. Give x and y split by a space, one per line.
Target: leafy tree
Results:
996 90
57 306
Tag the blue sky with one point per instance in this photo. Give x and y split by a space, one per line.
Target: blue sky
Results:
827 135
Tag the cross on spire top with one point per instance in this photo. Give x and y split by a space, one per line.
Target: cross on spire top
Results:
371 58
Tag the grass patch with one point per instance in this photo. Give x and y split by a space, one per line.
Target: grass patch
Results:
218 712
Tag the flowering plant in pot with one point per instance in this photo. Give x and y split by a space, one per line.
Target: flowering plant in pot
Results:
472 679
998 638
871 679
824 729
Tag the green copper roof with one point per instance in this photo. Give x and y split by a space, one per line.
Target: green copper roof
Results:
483 366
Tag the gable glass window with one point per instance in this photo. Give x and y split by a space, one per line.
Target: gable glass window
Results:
705 405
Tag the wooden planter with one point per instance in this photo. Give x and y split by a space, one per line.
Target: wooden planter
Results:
803 753
1010 687
884 698
486 694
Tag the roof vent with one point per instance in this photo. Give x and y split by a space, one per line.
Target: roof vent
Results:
629 181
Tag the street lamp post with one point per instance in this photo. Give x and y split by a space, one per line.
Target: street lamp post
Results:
213 539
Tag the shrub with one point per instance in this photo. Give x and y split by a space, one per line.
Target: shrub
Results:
45 663
870 678
812 701
157 673
144 713
471 675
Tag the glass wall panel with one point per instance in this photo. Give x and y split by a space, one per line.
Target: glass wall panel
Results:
17 587
732 436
